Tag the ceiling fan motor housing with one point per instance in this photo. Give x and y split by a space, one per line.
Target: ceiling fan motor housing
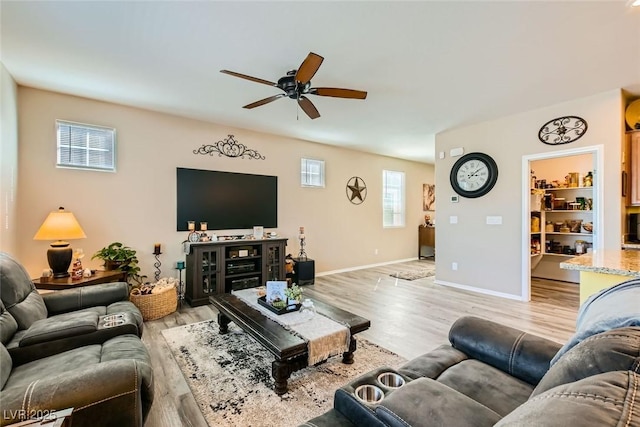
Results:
291 87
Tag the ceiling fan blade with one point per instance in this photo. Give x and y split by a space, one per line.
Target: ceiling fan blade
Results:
338 93
253 79
264 101
308 68
308 107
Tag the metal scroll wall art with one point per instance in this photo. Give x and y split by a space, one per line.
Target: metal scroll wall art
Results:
562 130
229 147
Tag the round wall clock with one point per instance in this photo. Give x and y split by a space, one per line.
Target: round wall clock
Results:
474 175
562 130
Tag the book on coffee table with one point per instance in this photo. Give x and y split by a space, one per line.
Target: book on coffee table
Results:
275 291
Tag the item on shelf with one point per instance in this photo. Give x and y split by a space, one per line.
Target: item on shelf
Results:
588 227
557 226
580 247
575 225
535 224
559 204
574 179
548 227
587 181
548 201
565 229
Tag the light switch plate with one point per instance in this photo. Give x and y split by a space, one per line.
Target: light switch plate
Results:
453 219
494 220
455 199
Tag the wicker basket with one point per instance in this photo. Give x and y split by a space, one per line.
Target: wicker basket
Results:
155 306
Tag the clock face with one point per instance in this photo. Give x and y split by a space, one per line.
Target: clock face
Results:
474 175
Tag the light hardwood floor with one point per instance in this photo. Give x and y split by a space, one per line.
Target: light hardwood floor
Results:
407 317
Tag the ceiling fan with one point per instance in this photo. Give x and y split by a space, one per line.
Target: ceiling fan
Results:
297 83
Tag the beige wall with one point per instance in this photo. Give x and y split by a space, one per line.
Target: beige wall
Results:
8 161
489 257
137 204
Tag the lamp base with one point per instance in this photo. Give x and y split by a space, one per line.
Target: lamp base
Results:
59 260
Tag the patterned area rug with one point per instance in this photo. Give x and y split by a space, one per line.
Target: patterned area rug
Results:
414 274
230 377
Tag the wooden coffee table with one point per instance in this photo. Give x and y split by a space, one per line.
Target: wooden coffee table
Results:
290 350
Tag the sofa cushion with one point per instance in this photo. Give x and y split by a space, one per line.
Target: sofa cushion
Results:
487 385
8 325
5 366
60 326
54 365
617 350
608 399
425 402
611 308
19 294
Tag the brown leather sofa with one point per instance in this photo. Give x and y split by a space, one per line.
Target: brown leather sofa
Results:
53 322
76 348
494 375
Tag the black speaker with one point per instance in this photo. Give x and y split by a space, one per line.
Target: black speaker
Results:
304 271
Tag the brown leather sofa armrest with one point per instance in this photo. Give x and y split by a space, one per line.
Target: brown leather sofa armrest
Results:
111 392
86 296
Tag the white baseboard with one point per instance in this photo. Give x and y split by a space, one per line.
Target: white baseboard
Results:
479 290
360 267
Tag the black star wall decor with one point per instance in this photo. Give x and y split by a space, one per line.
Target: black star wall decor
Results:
356 190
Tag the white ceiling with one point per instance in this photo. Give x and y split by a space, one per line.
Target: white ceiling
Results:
427 66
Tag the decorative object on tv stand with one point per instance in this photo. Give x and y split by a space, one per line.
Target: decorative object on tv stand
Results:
562 130
192 236
356 190
180 265
157 252
204 237
229 147
60 226
302 255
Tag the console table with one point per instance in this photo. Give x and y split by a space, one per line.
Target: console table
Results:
96 278
222 266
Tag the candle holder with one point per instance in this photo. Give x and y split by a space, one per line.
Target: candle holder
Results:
180 267
157 264
302 256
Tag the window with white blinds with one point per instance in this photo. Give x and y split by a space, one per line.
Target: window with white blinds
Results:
86 146
312 173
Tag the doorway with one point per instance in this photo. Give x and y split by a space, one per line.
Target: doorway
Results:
563 220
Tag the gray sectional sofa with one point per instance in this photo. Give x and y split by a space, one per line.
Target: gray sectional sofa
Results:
494 375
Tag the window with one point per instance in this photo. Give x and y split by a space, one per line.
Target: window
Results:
312 173
85 146
393 199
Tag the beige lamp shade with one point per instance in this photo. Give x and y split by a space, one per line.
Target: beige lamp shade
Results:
60 225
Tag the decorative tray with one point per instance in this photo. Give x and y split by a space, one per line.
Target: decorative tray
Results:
288 309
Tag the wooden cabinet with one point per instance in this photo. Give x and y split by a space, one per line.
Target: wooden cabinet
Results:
426 237
220 267
631 169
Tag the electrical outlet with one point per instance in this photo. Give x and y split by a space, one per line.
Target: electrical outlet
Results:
454 266
375 252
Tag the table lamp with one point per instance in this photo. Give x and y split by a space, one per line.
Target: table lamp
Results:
60 226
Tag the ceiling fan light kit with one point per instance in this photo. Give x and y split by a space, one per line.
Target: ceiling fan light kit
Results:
297 83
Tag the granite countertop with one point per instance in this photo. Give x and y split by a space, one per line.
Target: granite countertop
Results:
623 263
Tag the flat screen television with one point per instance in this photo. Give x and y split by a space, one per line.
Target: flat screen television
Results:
226 200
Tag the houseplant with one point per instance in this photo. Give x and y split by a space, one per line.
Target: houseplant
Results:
117 256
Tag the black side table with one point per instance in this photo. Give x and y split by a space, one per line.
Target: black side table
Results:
304 271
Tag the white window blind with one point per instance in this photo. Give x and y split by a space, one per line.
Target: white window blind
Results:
393 205
312 173
85 146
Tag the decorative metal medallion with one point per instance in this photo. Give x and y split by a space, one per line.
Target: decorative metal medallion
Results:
562 130
356 190
229 147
